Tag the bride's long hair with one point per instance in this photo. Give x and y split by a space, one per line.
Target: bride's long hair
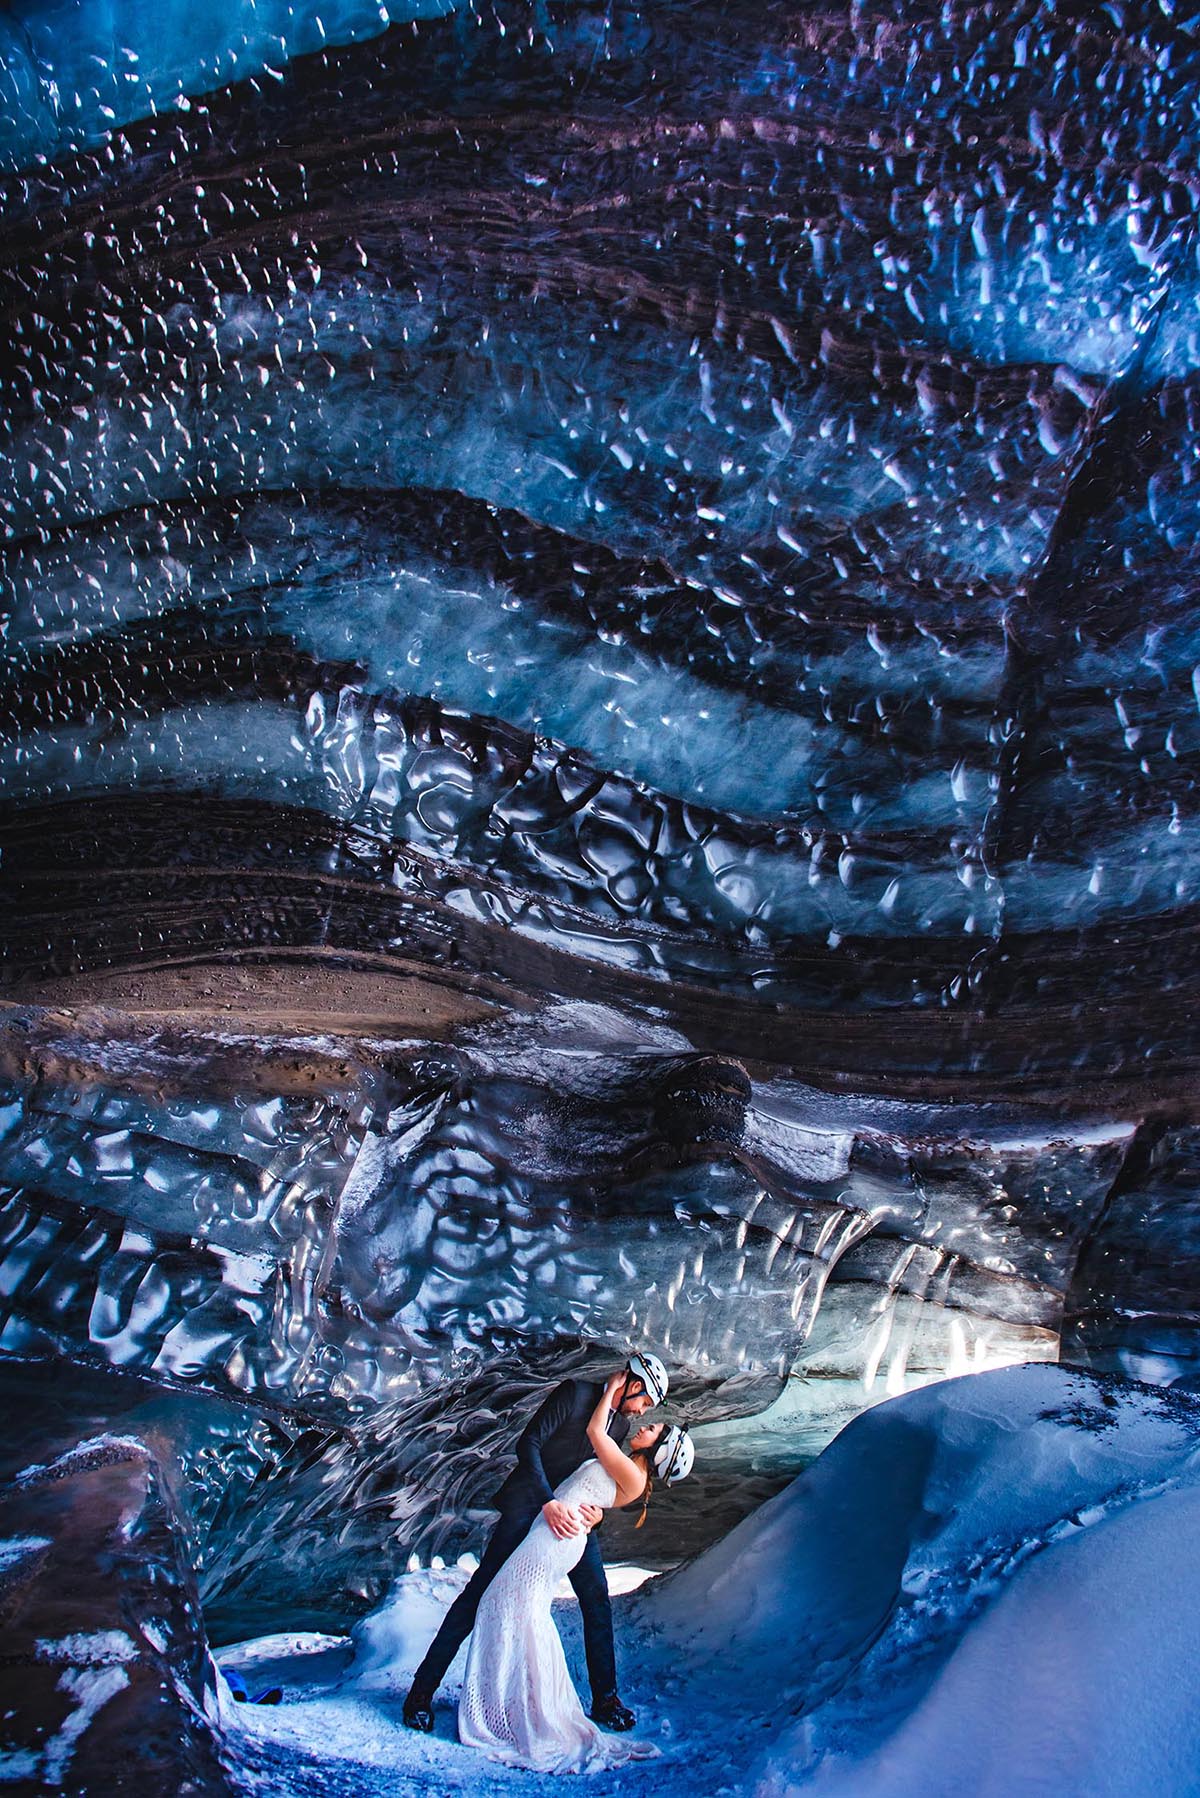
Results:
646 1457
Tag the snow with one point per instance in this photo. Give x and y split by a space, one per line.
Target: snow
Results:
987 1586
1071 1683
97 1448
390 1643
14 1549
92 1688
87 1648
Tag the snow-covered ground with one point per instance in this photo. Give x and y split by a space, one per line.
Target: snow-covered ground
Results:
990 1586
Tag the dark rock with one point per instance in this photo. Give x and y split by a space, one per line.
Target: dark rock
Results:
107 1682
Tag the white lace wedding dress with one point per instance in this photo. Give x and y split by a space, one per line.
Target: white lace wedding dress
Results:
518 1701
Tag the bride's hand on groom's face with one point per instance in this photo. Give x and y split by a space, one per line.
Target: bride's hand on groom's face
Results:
613 1385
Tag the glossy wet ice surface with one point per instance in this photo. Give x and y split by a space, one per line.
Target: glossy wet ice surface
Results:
598 726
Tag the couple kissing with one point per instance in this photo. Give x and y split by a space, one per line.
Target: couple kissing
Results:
583 1451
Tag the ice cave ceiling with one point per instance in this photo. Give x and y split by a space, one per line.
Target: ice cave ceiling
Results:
599 727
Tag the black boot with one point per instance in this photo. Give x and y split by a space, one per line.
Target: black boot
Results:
610 1713
418 1710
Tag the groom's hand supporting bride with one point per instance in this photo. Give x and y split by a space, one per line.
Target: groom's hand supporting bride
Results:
567 1520
562 1519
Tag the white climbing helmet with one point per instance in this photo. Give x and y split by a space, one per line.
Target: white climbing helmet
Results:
651 1372
674 1454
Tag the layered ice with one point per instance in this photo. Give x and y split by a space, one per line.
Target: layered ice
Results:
325 1284
75 72
599 726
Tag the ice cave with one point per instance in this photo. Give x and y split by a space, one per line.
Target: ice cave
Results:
600 747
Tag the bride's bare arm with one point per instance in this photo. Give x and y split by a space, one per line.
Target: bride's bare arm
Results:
628 1477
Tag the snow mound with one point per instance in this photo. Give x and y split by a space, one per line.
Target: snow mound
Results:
390 1643
988 1586
1080 1679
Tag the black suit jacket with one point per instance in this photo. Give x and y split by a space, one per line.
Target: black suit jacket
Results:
553 1444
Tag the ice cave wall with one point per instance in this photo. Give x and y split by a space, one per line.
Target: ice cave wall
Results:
599 731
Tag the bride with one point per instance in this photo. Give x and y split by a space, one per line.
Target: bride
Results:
518 1701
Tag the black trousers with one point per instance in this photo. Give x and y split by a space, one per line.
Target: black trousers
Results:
591 1589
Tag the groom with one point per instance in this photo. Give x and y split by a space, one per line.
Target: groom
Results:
553 1444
